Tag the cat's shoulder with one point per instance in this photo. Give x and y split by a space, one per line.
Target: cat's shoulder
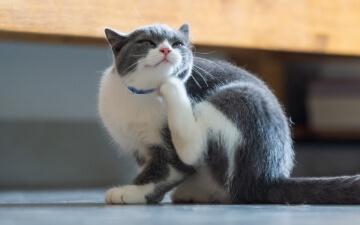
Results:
209 74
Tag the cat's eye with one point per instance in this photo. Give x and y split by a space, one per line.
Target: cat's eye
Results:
177 44
146 42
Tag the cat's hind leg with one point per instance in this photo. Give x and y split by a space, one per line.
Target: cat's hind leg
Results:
200 188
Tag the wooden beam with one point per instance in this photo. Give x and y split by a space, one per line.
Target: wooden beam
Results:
312 26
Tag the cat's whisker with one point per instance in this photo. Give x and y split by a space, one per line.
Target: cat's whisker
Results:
134 55
204 53
132 65
202 77
209 61
197 82
206 60
206 72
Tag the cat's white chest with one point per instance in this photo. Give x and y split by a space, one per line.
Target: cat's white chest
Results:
134 122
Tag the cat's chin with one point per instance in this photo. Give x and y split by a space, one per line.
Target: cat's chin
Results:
152 81
151 77
164 68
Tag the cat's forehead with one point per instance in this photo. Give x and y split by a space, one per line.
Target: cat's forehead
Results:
157 32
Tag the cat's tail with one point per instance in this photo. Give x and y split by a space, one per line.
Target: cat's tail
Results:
327 190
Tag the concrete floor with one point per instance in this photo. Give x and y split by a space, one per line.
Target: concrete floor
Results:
87 207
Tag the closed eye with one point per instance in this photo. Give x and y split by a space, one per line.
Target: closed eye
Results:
177 44
146 42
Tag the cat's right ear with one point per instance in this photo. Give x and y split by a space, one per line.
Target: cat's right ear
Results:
184 29
115 39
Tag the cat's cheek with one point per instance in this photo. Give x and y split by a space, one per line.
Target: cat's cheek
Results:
175 59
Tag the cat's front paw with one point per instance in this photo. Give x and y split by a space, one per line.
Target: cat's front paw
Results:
172 87
128 194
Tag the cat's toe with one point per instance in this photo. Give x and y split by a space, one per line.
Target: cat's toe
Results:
114 196
128 194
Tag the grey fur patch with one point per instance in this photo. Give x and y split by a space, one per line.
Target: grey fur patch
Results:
156 169
217 159
325 190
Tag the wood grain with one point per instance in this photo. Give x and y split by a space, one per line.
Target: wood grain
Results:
313 26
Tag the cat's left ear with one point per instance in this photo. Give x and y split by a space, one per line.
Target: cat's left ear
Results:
115 39
184 29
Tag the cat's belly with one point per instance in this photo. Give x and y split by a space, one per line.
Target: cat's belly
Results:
134 122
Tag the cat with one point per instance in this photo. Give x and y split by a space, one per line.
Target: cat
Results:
208 129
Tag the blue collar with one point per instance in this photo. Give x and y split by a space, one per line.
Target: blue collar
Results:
136 91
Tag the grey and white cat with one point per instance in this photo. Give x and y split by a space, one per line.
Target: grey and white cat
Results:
211 130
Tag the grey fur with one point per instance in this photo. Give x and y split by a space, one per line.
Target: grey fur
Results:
216 158
325 190
263 161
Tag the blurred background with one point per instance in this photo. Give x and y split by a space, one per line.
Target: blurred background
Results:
50 132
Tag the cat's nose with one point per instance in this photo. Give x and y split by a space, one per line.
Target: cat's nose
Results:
165 51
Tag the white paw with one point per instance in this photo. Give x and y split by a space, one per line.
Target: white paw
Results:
173 86
128 194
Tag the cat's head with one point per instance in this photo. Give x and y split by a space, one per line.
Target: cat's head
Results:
149 55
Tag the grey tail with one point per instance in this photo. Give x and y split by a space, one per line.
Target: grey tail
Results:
325 190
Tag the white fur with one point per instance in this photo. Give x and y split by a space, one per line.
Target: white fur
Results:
129 194
134 122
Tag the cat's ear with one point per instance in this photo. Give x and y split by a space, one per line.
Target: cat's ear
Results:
115 39
184 29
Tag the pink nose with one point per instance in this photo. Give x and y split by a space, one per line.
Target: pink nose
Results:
165 51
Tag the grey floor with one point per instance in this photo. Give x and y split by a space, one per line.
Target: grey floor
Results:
87 207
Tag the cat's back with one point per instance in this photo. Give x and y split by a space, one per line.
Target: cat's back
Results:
208 75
